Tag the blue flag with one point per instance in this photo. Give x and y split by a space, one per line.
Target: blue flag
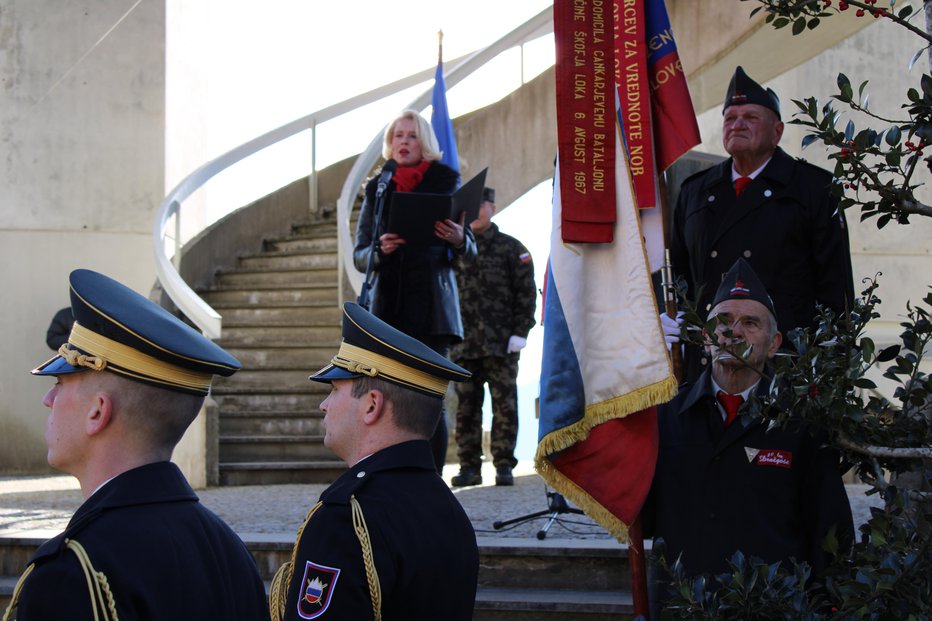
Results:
441 122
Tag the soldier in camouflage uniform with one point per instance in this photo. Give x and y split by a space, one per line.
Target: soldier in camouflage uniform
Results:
498 298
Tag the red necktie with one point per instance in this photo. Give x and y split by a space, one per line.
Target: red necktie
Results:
740 184
731 403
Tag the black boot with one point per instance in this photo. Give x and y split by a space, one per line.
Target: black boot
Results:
466 477
503 476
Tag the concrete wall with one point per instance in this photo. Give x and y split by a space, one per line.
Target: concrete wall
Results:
82 170
880 53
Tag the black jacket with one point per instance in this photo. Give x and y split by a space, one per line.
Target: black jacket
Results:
164 554
785 224
772 493
414 288
423 545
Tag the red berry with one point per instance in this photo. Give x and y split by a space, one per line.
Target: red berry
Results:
860 13
842 5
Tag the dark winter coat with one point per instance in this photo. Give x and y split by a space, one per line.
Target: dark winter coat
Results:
785 224
422 543
164 554
773 493
414 288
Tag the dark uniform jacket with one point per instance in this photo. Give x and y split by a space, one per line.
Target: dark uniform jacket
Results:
164 554
415 288
772 493
498 296
423 545
785 224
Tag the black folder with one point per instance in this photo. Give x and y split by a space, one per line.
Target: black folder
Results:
412 214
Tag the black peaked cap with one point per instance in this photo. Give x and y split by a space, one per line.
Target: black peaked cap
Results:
119 330
373 348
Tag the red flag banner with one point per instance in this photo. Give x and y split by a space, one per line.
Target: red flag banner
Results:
634 97
583 33
671 106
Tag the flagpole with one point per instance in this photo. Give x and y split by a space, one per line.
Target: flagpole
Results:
666 272
440 46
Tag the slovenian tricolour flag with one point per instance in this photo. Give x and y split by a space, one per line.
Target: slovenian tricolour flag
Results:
604 369
605 366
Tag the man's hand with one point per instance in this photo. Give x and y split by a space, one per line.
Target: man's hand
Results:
515 344
671 328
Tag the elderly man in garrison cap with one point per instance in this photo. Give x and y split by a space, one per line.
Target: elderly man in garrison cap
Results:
387 540
130 380
725 483
761 205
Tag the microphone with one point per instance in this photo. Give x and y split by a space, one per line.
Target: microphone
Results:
387 171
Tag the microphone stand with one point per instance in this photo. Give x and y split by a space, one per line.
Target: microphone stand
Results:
365 290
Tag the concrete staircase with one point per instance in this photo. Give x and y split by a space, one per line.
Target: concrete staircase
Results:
519 579
281 319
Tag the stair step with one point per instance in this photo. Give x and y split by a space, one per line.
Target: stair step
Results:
243 278
286 336
272 448
303 244
271 423
286 316
274 296
307 358
571 586
282 261
502 604
254 403
278 473
270 380
315 229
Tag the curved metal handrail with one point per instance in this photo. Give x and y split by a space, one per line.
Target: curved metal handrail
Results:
192 305
537 26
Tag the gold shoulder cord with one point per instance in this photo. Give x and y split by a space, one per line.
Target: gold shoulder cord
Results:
278 591
102 604
362 533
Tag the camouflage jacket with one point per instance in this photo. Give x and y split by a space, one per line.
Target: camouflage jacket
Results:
498 295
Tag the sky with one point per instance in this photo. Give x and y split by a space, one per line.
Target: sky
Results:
321 54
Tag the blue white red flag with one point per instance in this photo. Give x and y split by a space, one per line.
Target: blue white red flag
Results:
604 368
441 122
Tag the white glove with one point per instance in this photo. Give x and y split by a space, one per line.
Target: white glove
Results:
516 344
671 328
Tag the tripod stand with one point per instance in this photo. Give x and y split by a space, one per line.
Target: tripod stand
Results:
556 506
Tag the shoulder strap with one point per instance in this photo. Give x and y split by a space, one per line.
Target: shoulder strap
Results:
278 590
103 606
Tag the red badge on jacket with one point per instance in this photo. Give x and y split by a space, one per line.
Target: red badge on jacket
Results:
775 457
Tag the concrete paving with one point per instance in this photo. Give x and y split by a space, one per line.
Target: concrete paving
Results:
44 504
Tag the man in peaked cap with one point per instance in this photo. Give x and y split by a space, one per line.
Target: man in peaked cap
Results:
766 207
130 380
725 483
387 540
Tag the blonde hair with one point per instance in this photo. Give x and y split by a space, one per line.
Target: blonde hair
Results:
430 148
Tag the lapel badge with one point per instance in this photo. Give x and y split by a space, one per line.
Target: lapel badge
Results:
751 453
775 457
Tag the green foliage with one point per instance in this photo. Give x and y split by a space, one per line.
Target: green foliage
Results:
876 158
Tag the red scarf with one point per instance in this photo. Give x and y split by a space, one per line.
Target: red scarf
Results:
409 177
